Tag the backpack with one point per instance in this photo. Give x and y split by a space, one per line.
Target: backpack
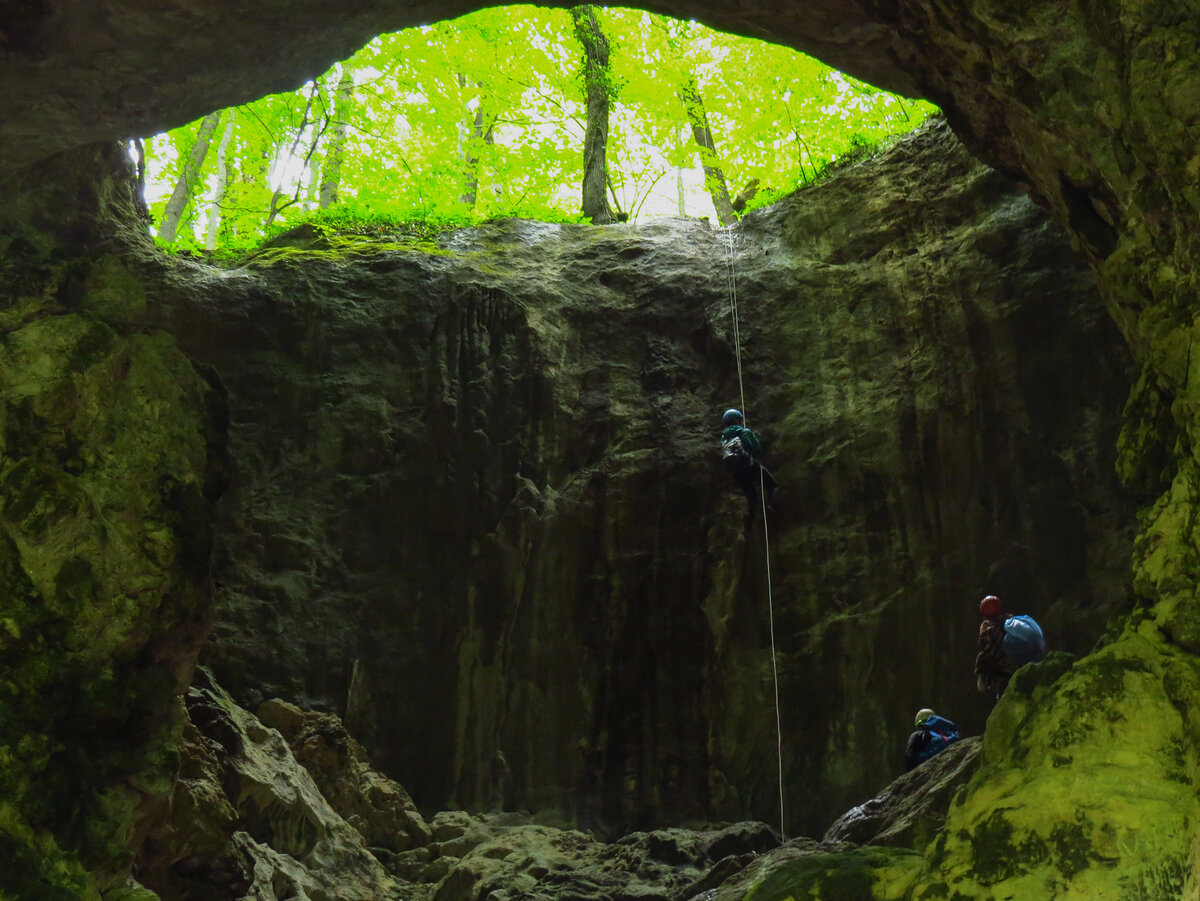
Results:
1023 640
942 733
735 456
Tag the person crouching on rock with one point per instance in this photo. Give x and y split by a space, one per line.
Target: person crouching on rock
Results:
740 450
934 734
1006 643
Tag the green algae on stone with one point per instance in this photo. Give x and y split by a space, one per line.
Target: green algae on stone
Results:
113 293
1166 564
99 432
305 246
859 874
1079 793
1145 446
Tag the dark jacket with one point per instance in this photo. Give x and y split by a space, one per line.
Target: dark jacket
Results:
992 666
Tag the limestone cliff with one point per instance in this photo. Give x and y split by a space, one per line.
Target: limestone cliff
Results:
476 496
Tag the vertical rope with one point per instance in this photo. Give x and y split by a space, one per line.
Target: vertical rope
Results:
731 284
731 288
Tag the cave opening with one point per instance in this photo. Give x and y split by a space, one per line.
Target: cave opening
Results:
488 116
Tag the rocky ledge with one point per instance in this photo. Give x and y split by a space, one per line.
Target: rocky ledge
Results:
286 805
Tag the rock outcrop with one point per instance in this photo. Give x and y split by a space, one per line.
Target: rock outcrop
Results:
268 814
912 810
246 820
108 466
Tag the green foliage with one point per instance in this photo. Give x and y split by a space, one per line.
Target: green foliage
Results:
484 117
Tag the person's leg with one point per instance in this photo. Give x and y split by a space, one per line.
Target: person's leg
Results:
747 480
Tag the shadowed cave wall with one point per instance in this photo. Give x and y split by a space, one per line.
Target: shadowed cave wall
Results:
477 507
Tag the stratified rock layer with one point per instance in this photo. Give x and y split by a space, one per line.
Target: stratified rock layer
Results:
477 506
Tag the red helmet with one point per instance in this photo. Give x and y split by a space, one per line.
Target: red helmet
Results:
990 606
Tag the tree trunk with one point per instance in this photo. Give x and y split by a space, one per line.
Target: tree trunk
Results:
214 211
188 178
598 82
714 178
278 204
331 172
472 135
680 196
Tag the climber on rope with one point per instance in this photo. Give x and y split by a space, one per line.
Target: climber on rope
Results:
740 450
934 734
1006 643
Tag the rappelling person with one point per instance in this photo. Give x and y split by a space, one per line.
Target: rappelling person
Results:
1006 643
740 450
934 733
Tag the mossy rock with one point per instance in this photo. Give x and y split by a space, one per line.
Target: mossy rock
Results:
1087 788
859 874
103 539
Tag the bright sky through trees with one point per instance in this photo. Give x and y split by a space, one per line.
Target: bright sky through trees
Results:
485 116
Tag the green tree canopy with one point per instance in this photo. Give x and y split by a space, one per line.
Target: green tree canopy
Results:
485 116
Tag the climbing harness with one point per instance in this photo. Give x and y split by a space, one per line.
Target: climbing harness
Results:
731 284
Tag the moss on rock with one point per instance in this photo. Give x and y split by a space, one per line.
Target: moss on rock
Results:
1080 794
102 520
847 875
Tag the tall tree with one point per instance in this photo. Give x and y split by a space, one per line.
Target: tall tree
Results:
331 170
282 163
189 177
714 176
490 107
598 90
222 182
474 134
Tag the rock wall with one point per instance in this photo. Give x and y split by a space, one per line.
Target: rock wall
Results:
109 461
476 506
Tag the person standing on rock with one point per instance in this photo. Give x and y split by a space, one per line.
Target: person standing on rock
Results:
740 451
934 733
1006 643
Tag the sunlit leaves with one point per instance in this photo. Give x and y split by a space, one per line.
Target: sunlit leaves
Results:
484 116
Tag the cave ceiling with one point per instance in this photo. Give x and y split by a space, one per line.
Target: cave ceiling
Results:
81 71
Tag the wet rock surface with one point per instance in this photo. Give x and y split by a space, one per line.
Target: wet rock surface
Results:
108 470
272 814
910 811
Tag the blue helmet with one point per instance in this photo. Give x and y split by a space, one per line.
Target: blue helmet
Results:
732 417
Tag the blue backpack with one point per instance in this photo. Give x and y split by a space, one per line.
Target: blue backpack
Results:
1023 640
942 733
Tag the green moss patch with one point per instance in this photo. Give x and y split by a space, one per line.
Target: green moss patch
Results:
103 537
856 875
1080 793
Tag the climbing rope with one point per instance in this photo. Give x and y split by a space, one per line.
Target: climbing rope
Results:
731 283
